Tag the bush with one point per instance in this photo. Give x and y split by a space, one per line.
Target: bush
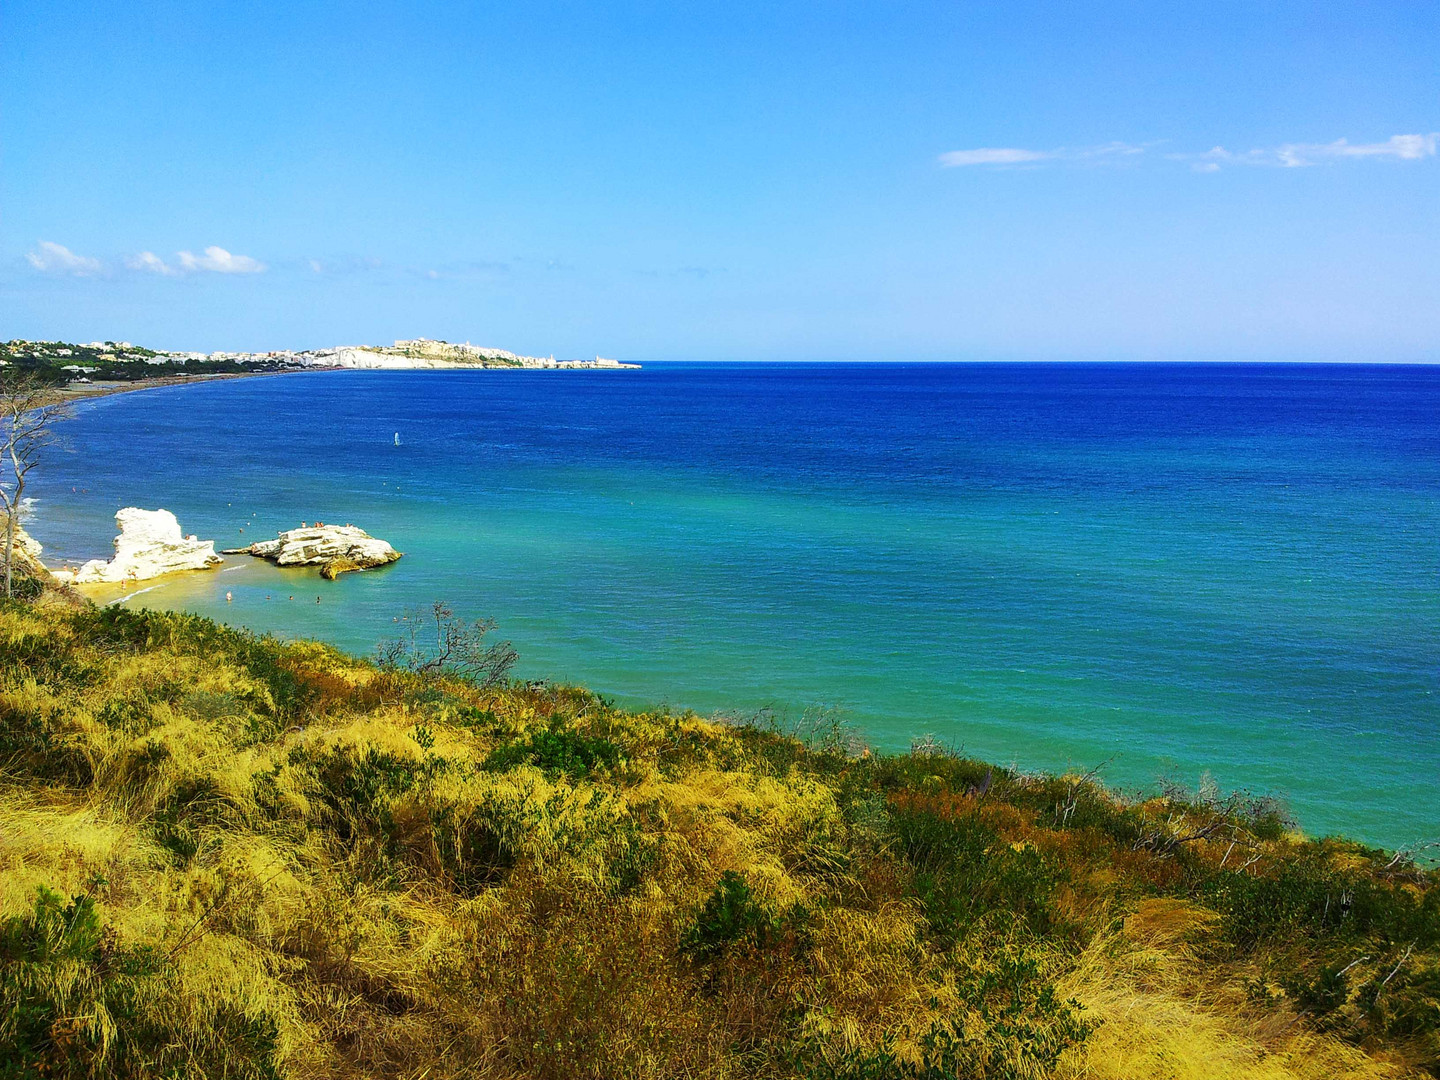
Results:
964 871
730 915
558 750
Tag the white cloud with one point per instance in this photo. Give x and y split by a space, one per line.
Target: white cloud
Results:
52 258
1300 155
219 261
215 260
992 156
149 261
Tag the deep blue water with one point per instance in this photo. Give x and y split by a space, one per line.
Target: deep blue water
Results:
1172 568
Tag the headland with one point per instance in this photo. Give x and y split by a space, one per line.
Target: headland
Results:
107 367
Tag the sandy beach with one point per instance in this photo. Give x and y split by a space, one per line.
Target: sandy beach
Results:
84 391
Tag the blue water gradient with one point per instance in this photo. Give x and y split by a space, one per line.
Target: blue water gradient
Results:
1172 568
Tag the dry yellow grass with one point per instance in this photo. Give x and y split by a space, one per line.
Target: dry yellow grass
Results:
320 869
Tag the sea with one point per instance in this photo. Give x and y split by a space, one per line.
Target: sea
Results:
1219 576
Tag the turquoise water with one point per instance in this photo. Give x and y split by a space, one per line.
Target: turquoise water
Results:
1173 569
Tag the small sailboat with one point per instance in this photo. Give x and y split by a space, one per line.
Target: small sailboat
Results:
397 438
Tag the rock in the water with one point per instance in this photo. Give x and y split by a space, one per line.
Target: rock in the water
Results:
150 544
336 549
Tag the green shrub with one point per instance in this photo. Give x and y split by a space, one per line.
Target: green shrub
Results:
558 750
1324 994
964 871
1307 896
730 915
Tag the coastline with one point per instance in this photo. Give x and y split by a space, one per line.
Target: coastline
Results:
106 389
544 515
89 391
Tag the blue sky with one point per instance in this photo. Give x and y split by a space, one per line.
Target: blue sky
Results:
727 181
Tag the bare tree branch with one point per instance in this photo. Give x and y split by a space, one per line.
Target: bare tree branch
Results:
437 641
29 411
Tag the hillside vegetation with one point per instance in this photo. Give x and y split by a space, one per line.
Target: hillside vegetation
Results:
59 363
221 855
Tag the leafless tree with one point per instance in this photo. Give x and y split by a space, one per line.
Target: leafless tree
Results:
29 411
437 641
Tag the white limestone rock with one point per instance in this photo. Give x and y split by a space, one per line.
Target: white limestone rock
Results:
150 544
336 549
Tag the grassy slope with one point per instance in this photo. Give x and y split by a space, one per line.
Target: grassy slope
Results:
220 855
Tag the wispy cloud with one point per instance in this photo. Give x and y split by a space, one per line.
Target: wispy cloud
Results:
217 260
1301 155
471 270
51 258
1014 155
348 264
993 155
1286 156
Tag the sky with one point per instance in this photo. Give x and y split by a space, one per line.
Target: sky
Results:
736 181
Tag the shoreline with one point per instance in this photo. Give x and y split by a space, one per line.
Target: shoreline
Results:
90 391
108 389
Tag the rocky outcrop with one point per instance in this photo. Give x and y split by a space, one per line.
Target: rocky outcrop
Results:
150 544
336 549
31 580
26 553
25 559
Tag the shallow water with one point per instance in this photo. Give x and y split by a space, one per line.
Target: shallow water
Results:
1169 568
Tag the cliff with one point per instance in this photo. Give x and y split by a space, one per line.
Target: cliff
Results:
425 353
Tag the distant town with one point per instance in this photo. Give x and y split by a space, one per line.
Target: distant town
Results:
78 365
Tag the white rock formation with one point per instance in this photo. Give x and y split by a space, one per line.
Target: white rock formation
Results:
405 354
336 549
150 544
